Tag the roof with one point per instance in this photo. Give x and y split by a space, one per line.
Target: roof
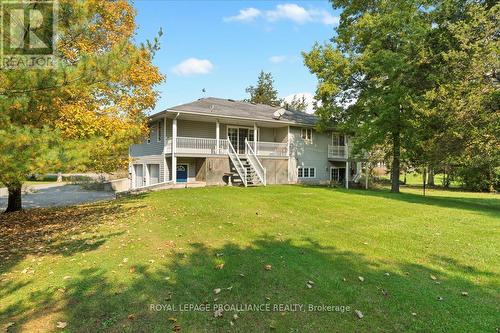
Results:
243 110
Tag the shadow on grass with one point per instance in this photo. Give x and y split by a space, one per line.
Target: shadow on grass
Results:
61 231
490 206
98 301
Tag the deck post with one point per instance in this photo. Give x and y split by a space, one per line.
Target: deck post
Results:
255 138
165 175
174 150
217 136
347 174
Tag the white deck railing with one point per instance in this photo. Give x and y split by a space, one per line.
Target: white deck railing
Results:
205 146
271 148
255 162
202 146
337 152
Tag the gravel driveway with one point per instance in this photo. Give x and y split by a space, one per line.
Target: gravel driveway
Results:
52 195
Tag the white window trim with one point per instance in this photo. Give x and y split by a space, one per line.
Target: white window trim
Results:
304 129
308 172
334 134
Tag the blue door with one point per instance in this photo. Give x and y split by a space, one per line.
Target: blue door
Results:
182 173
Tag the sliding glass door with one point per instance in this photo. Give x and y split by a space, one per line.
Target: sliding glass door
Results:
237 136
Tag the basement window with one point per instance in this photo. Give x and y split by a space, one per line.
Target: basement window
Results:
304 172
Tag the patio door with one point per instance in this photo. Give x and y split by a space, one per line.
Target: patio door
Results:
237 136
337 174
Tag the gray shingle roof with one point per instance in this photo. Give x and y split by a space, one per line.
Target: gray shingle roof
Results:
230 108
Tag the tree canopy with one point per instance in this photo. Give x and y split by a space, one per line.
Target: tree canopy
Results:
84 112
396 69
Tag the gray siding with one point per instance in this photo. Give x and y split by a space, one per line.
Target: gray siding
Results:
309 154
197 129
152 148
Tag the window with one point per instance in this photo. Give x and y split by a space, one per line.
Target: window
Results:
307 134
306 172
159 134
338 139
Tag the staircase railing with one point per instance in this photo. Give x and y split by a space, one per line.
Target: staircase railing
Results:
255 162
240 168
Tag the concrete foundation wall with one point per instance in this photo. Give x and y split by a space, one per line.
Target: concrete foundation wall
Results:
276 170
215 168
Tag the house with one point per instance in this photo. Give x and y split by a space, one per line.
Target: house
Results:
217 141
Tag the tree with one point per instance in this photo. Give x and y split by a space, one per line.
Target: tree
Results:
462 126
84 112
371 73
264 92
298 103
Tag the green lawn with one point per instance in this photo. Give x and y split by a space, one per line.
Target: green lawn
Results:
99 267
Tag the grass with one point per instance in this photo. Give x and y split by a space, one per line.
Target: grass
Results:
99 267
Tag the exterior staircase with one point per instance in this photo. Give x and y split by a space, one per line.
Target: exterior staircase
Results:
248 169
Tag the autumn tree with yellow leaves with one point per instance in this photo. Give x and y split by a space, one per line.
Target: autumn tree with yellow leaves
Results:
82 113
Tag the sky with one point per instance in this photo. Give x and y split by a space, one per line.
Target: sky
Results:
221 46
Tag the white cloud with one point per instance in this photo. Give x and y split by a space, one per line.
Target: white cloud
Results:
288 11
329 19
309 100
193 66
245 15
277 59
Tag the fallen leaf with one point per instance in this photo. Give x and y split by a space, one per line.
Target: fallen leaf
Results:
218 313
268 267
359 314
219 266
235 316
172 319
217 290
9 325
131 316
132 270
413 313
176 328
387 274
360 278
67 277
125 259
433 277
61 324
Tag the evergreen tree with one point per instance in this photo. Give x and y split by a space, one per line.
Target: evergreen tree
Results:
264 92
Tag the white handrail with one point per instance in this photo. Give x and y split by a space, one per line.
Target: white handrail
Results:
255 162
242 171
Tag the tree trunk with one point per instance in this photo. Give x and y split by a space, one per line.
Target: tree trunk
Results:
430 177
424 177
14 201
396 161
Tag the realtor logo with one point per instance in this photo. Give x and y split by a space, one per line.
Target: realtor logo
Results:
27 34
